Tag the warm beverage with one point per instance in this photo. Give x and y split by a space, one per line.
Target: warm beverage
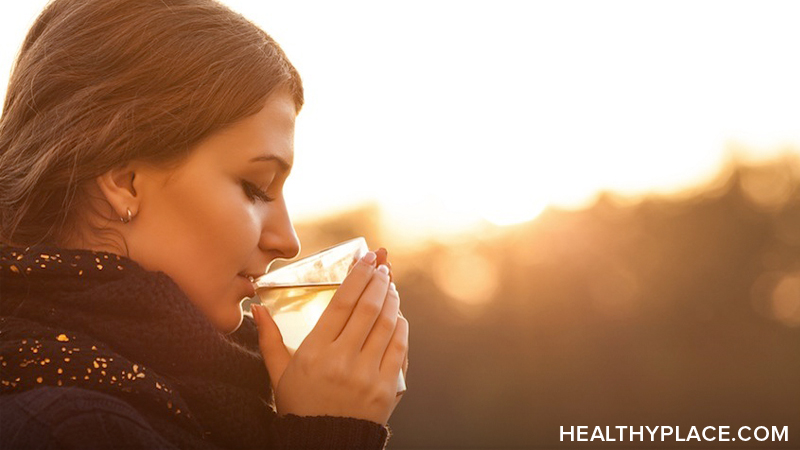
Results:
296 308
296 295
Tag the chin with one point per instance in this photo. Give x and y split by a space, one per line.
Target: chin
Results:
230 322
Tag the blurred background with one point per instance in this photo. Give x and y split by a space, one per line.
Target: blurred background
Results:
592 208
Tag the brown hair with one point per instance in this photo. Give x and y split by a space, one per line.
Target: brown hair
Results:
99 83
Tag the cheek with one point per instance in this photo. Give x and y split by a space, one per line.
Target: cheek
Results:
225 242
221 228
221 236
202 236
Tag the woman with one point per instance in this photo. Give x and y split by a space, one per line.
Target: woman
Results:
144 145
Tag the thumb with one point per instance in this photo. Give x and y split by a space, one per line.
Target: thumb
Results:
276 357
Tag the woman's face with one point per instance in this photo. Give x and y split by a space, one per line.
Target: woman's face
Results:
221 214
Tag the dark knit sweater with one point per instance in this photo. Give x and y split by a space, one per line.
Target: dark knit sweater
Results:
97 352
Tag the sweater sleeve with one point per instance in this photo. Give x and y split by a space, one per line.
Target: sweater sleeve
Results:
326 432
73 418
320 432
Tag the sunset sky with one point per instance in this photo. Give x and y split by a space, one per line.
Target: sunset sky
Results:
447 113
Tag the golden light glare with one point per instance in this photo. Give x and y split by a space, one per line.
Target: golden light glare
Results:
547 108
558 111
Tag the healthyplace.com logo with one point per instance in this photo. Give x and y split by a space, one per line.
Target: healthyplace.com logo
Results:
673 434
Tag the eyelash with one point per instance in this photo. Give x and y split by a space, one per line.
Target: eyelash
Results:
253 192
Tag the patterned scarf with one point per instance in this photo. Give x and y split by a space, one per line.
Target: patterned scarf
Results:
99 321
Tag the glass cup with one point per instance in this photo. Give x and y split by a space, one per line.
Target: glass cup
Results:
296 295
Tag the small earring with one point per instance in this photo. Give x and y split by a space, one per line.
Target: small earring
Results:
130 216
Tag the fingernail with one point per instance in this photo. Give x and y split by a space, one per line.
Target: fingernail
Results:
370 257
254 310
382 268
392 287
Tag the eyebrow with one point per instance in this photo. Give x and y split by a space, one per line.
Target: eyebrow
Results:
282 162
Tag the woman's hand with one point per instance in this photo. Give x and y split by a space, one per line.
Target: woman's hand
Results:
349 363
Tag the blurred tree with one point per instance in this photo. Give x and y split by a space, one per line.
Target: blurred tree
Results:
668 311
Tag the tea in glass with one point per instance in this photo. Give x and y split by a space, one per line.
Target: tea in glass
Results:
297 294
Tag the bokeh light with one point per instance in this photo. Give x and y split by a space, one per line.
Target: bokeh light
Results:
770 187
467 277
786 300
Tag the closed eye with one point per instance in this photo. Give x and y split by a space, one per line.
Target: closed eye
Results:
253 192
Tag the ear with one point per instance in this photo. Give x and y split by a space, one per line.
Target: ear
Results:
117 185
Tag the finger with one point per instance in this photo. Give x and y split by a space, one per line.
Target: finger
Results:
382 255
383 258
335 316
405 361
366 311
384 326
399 395
270 341
405 367
396 351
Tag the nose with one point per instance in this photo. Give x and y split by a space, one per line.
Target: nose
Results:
278 237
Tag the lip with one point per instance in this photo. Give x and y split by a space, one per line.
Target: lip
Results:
251 291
